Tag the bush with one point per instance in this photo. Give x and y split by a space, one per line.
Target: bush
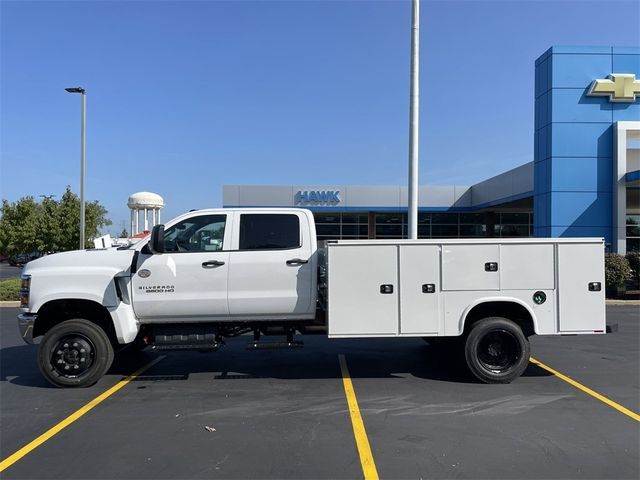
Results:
10 289
634 262
616 270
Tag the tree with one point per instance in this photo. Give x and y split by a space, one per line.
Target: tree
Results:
51 226
50 234
124 233
19 226
616 271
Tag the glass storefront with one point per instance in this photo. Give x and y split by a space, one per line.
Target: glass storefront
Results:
514 225
633 233
339 225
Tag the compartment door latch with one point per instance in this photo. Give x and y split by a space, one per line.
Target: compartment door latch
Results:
491 267
595 286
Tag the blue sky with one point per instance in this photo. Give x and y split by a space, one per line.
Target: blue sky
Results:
184 97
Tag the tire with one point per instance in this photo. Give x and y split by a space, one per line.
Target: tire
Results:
75 353
496 350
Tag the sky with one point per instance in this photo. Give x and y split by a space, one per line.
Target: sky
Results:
184 97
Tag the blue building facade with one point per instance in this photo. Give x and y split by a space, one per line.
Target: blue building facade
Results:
574 152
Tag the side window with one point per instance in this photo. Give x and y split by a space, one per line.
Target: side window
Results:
269 231
196 234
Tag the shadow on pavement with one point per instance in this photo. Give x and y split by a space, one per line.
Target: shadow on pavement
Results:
366 358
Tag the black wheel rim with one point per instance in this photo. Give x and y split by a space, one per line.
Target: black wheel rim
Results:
498 351
72 356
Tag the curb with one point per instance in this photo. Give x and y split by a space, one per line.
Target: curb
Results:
9 304
623 302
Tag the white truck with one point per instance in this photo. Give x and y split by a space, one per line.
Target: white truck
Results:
216 273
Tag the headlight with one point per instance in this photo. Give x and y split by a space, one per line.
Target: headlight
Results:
25 287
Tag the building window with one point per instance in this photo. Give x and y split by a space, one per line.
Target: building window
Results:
341 226
354 225
391 225
473 225
445 225
394 225
514 225
633 233
473 231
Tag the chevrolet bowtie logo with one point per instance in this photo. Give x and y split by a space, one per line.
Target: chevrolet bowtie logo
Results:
619 87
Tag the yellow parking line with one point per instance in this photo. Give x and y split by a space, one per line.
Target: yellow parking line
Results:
362 442
593 393
10 460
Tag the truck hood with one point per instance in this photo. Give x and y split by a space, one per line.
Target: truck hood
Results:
111 259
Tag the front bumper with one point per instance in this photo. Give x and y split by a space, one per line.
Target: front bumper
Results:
26 321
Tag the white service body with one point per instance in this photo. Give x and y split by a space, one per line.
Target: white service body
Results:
560 268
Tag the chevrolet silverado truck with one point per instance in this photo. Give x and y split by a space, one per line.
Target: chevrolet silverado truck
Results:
212 274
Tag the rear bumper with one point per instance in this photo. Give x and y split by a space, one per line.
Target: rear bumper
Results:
26 321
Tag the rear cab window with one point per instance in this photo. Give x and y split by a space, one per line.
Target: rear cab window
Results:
269 231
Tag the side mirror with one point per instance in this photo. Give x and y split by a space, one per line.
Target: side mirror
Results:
156 244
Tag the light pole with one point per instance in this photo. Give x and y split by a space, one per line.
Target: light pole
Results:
414 108
81 91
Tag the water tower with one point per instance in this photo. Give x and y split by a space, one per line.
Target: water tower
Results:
149 205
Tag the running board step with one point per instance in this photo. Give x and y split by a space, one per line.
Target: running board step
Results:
184 346
273 345
184 337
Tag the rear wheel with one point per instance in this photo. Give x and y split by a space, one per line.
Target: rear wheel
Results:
75 353
496 350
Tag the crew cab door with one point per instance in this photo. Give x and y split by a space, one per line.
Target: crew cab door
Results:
189 281
270 267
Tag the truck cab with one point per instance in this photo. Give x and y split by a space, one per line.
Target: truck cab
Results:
205 275
226 265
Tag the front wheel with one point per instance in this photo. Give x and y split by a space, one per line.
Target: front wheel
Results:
496 350
75 353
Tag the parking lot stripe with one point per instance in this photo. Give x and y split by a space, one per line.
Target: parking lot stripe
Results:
10 460
593 393
362 442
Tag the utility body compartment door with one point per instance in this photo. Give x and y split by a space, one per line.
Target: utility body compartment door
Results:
419 289
527 266
363 290
581 309
470 267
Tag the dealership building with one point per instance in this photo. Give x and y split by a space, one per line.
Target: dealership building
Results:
583 181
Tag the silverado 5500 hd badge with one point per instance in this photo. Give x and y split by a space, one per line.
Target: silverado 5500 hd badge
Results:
157 288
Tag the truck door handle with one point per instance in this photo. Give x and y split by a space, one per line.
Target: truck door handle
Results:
297 261
212 263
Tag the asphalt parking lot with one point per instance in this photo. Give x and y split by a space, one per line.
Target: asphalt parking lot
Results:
8 271
284 414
